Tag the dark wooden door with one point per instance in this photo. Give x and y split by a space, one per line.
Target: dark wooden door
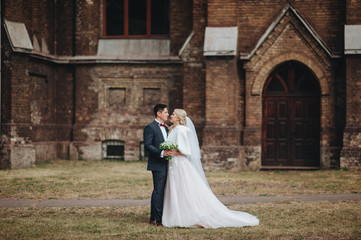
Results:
291 118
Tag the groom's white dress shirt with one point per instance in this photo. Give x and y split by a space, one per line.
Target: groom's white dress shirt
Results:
164 134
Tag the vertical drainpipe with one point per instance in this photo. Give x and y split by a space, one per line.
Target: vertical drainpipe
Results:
73 69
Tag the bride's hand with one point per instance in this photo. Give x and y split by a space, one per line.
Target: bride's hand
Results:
167 153
177 152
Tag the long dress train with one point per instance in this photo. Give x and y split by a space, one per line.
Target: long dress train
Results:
188 200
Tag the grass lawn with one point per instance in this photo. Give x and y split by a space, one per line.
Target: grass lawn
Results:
130 180
108 179
284 220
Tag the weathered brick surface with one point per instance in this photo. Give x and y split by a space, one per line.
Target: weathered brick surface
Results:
180 23
67 109
38 17
64 28
254 17
290 40
98 121
87 26
350 155
194 67
353 8
32 90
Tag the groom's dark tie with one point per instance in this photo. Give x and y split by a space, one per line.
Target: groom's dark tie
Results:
162 124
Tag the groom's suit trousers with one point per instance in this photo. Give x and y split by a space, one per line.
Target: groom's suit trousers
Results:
159 181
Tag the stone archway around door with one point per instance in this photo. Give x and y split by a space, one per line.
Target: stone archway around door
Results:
291 117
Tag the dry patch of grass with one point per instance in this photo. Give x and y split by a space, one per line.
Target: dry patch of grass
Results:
283 220
78 179
111 179
285 182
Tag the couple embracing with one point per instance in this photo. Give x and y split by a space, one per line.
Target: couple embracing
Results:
181 196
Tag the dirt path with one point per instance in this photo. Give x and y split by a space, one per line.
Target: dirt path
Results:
15 203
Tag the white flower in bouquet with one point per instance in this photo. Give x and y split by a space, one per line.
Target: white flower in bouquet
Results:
168 145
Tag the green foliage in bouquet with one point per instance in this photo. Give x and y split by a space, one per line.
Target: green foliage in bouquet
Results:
168 145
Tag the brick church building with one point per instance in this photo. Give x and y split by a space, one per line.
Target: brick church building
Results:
269 84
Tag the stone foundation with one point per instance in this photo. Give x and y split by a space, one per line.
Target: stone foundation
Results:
45 151
252 157
351 154
85 151
215 158
17 156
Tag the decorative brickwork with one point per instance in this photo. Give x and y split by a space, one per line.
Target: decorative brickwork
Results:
289 40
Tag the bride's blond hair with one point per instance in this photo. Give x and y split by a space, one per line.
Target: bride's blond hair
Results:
182 117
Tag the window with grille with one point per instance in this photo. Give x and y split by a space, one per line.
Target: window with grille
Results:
113 149
136 18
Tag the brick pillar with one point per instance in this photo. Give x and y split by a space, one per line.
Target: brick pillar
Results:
194 69
221 135
351 151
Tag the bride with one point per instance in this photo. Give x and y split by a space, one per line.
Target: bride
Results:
188 199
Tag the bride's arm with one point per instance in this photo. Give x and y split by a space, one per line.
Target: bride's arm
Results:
183 144
177 152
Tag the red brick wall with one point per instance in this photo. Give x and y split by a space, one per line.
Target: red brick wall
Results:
97 120
180 23
64 28
353 10
38 17
194 68
222 92
213 91
88 27
223 12
350 154
253 18
37 99
353 88
33 94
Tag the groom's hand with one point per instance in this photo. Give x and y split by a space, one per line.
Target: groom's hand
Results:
167 153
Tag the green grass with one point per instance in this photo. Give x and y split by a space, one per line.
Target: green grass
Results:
111 179
286 220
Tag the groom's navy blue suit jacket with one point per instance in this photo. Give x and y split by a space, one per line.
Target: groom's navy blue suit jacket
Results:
153 137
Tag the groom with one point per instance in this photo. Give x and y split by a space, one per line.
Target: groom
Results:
154 134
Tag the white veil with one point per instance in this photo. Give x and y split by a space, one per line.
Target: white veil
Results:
195 151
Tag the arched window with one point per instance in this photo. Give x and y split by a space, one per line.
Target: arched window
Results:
292 78
113 149
136 18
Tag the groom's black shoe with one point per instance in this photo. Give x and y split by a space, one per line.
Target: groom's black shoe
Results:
153 222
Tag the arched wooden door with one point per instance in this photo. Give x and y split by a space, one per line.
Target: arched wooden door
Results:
291 117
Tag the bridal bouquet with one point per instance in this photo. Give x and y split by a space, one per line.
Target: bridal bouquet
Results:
168 145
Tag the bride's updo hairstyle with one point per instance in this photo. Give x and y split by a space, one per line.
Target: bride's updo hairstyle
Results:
182 117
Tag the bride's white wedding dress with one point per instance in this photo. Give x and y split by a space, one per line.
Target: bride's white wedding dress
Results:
188 200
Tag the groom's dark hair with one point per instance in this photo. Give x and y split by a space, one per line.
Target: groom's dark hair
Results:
159 108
